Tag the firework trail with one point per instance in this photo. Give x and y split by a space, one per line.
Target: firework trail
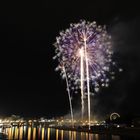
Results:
82 79
85 50
68 90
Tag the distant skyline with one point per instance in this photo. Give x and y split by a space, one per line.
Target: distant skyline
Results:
29 86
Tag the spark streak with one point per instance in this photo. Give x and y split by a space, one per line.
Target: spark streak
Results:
87 76
68 91
82 82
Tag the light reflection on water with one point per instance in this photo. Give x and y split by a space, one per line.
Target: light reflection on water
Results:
43 133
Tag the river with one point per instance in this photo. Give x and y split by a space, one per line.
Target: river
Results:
44 133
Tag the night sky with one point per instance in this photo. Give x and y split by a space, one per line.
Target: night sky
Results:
30 87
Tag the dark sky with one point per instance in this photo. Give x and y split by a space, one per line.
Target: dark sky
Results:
29 86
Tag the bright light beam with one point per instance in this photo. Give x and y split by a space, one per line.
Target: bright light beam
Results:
87 76
82 78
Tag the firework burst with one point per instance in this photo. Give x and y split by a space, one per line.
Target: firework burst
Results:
84 52
99 52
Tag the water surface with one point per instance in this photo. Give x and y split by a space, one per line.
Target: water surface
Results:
44 133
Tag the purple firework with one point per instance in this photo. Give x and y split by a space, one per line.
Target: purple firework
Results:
98 50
